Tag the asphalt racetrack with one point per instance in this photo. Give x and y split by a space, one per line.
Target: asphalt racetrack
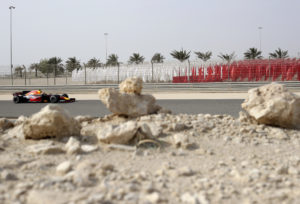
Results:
96 108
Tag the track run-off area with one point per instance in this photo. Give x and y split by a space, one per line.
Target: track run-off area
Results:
188 98
95 108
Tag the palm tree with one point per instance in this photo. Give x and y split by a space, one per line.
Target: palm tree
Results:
19 70
36 67
112 60
136 58
157 58
279 54
56 64
204 55
94 63
72 63
252 53
181 55
227 57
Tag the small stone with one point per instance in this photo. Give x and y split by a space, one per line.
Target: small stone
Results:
121 147
63 168
189 198
181 140
278 133
150 129
47 148
200 151
118 134
222 163
244 164
88 148
133 197
185 171
108 167
293 171
8 176
72 146
177 127
153 197
145 130
282 170
48 197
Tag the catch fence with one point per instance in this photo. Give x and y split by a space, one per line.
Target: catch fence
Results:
167 72
246 70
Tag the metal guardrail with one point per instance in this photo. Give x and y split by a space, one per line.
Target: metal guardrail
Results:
210 86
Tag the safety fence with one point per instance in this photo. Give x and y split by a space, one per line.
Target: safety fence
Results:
246 70
167 72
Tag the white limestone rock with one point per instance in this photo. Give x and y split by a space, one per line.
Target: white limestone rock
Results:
118 134
89 148
132 85
182 140
273 104
51 121
63 168
72 146
128 104
150 129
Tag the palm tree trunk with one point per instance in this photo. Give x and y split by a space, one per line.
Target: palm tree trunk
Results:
189 71
24 73
228 64
54 74
66 76
152 72
35 72
84 74
47 75
29 76
118 73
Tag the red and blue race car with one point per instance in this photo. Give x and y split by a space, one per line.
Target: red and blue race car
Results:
40 96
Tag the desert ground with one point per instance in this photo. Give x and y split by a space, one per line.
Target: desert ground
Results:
167 158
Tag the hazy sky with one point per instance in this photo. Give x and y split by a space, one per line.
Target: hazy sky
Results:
67 28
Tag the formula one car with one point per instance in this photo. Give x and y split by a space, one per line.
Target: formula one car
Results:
40 96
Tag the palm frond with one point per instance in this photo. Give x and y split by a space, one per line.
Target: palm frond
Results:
181 55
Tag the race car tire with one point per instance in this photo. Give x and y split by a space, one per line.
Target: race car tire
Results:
54 98
65 95
44 98
17 99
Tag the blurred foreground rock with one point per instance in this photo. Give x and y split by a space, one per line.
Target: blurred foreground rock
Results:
129 101
273 104
5 124
155 158
51 122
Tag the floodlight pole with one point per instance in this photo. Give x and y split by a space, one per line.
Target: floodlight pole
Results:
260 28
106 34
11 65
